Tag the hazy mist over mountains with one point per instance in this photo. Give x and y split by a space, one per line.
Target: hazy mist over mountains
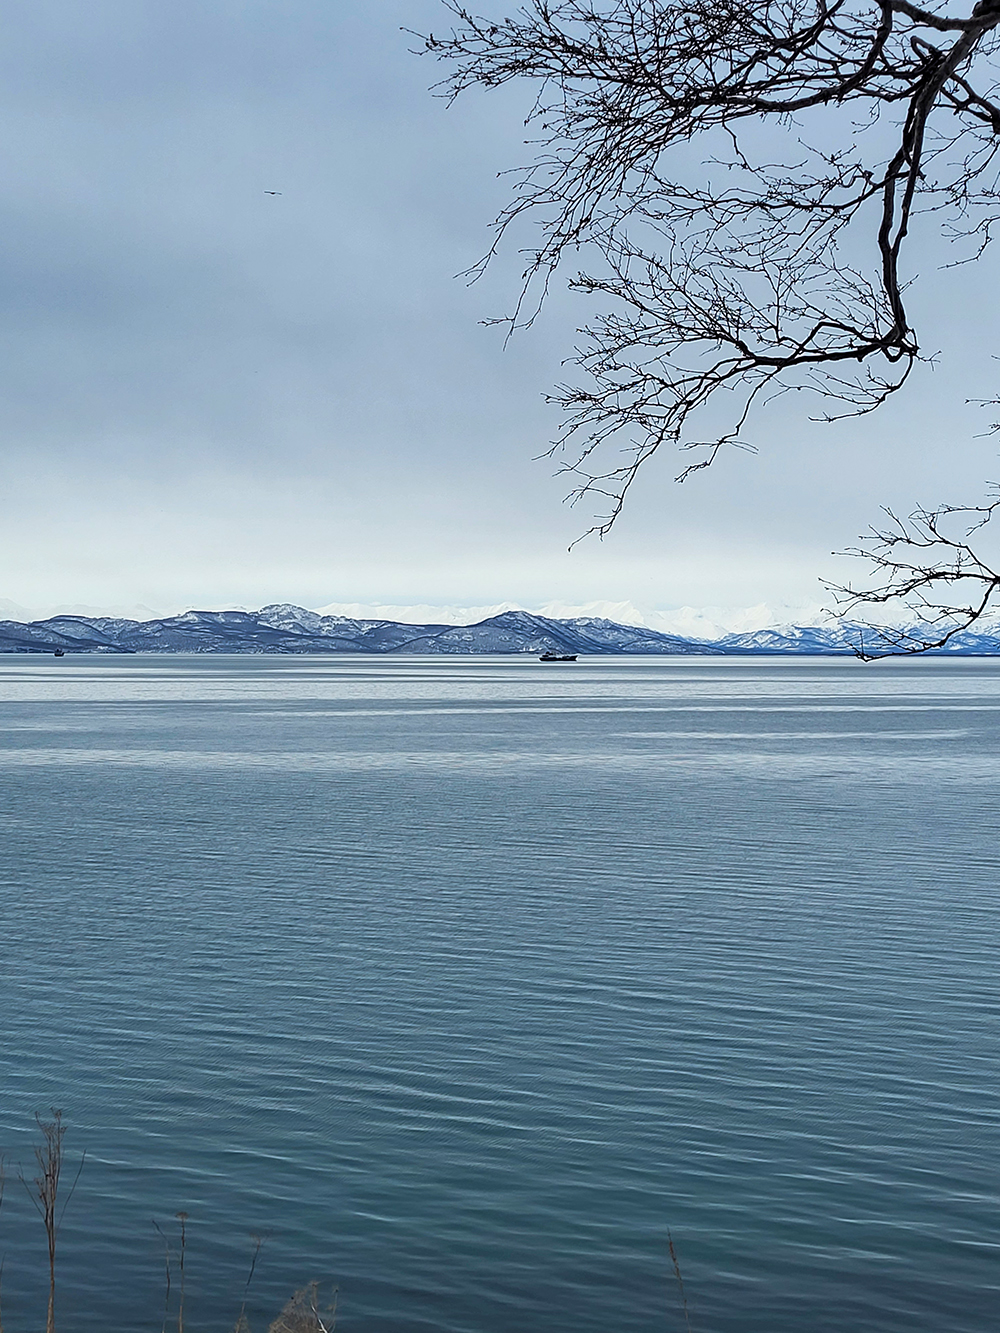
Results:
708 623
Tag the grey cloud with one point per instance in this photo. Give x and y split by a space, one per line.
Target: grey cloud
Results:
208 393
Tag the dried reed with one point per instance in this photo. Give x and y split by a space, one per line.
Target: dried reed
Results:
680 1280
45 1194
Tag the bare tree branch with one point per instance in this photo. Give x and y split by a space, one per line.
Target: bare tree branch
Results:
924 567
728 277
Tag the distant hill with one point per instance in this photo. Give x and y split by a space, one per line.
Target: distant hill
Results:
290 629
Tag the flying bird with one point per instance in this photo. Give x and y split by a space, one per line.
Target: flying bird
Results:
273 191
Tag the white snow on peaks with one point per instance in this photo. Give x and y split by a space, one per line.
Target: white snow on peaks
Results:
417 615
712 622
14 611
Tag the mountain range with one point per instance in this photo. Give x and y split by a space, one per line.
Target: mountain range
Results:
291 629
686 622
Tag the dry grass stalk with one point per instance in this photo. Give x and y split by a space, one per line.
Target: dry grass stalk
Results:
45 1195
166 1261
182 1218
49 1158
680 1280
3 1183
242 1324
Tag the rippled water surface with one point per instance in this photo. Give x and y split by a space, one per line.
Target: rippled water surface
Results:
464 980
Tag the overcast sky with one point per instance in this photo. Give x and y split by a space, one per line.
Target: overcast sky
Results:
213 396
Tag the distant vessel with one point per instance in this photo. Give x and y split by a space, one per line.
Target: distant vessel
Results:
557 657
59 652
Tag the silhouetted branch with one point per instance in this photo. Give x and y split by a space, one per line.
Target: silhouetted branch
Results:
925 568
732 280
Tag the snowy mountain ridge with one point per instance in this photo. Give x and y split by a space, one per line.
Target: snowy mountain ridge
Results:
284 628
712 622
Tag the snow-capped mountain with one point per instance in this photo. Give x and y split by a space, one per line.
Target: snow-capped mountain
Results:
416 615
292 629
704 623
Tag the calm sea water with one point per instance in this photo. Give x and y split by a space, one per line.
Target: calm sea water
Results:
465 980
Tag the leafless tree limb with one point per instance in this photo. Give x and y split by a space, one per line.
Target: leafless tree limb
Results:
925 567
735 277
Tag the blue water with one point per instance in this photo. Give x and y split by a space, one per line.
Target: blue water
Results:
465 980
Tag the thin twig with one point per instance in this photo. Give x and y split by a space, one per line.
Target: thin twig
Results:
680 1280
182 1218
166 1260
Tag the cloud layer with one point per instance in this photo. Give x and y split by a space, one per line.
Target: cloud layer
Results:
212 395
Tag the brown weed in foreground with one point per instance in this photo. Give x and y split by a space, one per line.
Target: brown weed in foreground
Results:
45 1195
302 1314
